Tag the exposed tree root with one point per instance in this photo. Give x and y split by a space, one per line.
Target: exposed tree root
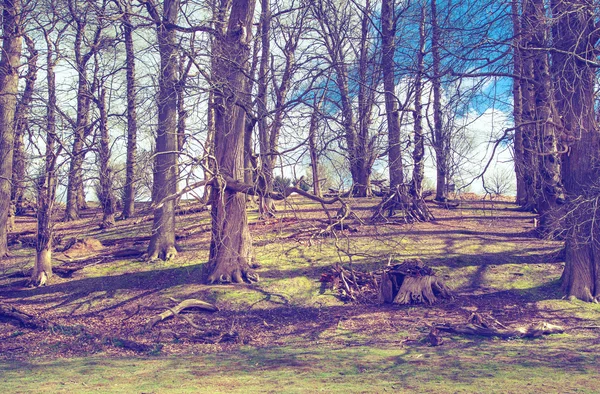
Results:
238 275
400 204
166 254
176 310
447 204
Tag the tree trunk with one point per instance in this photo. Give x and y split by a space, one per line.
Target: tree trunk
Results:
575 37
416 187
9 80
368 74
162 242
440 138
312 147
107 199
230 249
388 38
130 181
42 269
267 152
75 182
250 163
549 188
519 152
21 126
528 129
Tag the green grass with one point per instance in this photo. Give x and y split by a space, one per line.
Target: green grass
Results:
516 367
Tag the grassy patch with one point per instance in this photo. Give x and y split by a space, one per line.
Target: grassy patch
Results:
517 366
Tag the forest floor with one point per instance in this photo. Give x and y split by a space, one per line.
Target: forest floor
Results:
289 332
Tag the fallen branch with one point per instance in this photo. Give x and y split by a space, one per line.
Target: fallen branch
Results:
533 331
175 311
25 319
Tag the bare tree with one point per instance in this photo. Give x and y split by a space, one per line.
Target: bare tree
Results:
46 183
81 14
162 242
418 153
440 140
230 249
388 52
130 181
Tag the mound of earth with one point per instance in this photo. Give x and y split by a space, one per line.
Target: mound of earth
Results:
83 247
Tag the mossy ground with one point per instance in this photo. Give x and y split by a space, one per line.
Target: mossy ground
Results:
288 333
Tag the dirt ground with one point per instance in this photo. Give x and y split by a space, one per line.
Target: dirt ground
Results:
487 252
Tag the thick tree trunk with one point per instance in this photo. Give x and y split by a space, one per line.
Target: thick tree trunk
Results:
440 137
21 126
230 249
416 187
575 37
130 168
388 38
162 242
9 80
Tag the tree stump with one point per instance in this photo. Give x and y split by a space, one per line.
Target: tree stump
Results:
411 282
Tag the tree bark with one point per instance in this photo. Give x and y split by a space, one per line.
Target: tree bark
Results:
162 242
130 171
574 34
9 80
388 38
230 249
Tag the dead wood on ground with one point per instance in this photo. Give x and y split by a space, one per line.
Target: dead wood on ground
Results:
410 282
9 312
179 308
